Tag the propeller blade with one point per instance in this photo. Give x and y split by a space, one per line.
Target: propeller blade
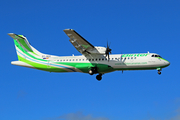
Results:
108 50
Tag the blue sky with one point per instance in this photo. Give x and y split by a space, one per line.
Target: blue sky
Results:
130 26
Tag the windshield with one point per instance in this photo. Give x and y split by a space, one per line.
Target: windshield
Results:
156 56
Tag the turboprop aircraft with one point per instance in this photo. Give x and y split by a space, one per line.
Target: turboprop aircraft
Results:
94 60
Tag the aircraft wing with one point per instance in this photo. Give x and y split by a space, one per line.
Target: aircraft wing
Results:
81 44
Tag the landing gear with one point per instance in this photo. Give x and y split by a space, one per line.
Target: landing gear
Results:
93 70
99 77
159 72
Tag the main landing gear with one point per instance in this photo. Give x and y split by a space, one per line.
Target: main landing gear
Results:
99 77
91 72
94 70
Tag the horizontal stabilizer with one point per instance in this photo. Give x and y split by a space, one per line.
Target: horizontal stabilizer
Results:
15 36
20 63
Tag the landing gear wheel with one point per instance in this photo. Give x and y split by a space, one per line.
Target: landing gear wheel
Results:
159 72
91 72
99 77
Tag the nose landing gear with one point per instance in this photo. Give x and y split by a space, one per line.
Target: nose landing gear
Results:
159 71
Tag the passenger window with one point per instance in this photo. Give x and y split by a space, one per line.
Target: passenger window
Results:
99 59
131 57
70 60
89 59
96 59
79 59
102 59
152 56
134 57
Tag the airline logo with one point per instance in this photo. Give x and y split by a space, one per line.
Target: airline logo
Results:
134 55
45 57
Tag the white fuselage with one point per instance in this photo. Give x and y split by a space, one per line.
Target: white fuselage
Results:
118 61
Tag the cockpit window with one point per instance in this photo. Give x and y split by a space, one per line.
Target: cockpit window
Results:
156 56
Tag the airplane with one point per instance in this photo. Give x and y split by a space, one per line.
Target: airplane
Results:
94 59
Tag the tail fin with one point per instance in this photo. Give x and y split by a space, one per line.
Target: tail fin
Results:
23 47
27 55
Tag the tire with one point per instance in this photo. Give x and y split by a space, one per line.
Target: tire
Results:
99 77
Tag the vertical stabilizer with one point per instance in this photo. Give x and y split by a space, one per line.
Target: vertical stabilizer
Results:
23 48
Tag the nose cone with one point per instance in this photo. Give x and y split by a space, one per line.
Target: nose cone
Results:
167 63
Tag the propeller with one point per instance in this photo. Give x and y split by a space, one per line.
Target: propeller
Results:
108 50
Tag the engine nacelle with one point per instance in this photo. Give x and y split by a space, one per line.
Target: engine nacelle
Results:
98 50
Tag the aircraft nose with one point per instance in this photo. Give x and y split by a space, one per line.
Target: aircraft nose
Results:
167 63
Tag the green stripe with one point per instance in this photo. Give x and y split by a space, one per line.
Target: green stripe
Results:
84 67
25 52
162 59
22 41
42 66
